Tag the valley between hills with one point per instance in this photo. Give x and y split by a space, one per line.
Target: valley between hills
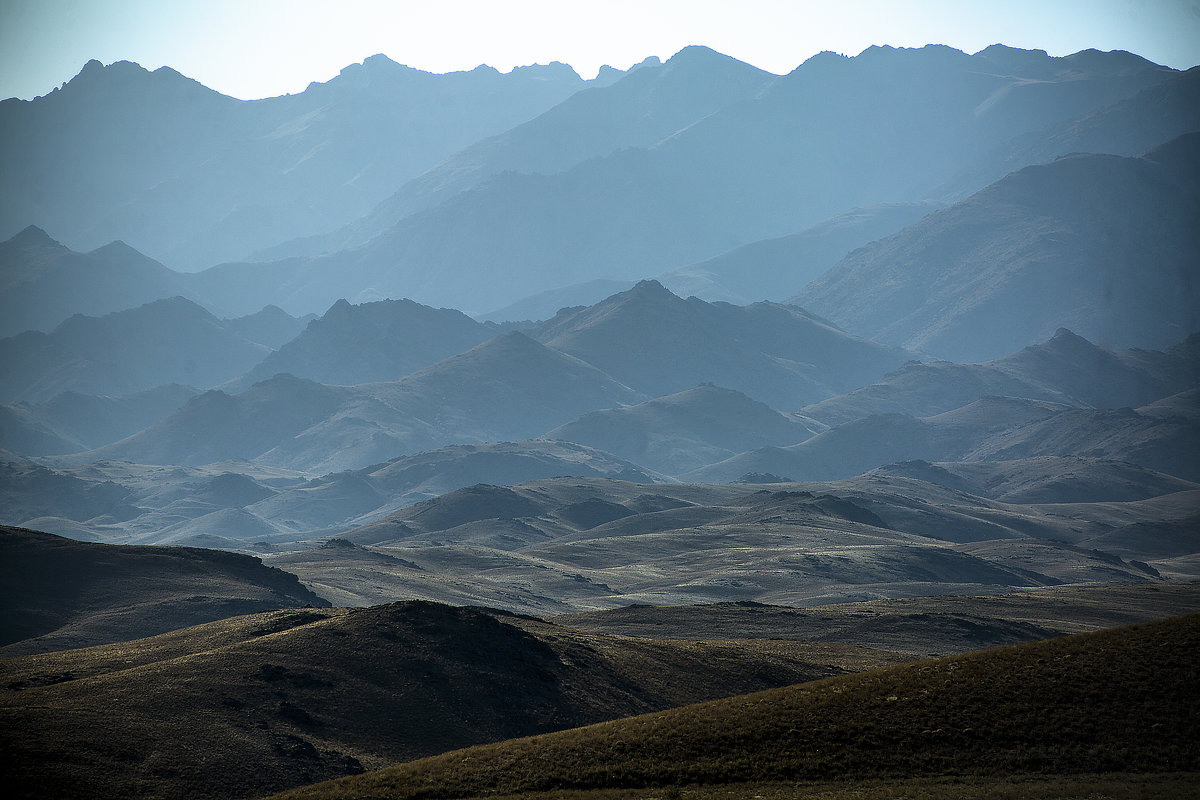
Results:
690 431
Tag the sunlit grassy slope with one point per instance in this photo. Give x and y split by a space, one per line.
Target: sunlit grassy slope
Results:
1120 701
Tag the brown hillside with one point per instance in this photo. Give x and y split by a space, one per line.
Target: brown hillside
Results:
59 593
264 702
1124 699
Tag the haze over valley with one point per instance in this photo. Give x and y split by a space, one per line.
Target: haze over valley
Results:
415 412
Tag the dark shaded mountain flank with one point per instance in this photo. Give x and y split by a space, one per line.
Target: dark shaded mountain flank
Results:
1066 369
61 594
658 343
194 178
684 431
167 341
1123 698
43 283
258 703
380 341
890 125
1104 245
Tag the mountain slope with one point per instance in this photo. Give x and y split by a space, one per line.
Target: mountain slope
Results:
774 269
989 429
214 426
889 125
1064 369
348 499
166 341
195 178
684 431
651 102
659 344
507 388
372 342
86 421
1120 699
43 283
572 544
258 703
63 594
1101 244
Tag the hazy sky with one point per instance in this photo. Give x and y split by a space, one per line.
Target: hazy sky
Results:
261 48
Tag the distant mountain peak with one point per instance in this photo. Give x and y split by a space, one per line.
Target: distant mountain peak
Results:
1066 335
340 308
649 288
117 250
1064 342
697 53
33 236
379 60
1003 49
122 78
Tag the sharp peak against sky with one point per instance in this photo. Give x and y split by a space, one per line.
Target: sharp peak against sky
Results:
263 48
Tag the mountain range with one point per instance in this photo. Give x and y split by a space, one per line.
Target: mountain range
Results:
114 355
1106 245
194 177
308 404
645 209
1064 398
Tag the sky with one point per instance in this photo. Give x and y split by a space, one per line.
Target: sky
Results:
263 48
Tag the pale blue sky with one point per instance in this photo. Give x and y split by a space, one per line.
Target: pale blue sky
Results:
261 48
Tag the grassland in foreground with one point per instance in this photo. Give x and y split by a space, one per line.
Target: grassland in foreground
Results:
1114 702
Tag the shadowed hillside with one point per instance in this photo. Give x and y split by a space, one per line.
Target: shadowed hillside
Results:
258 703
60 593
1120 700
